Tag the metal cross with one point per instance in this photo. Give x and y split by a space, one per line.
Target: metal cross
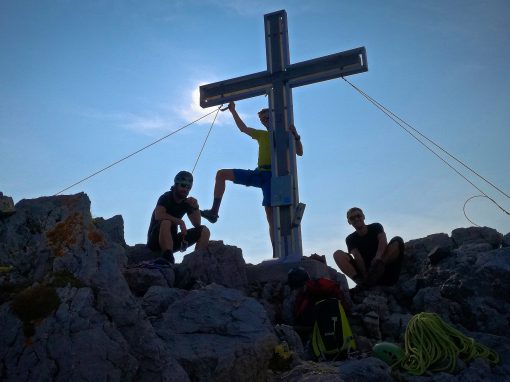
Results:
277 82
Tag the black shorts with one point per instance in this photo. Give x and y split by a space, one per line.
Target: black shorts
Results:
392 272
192 236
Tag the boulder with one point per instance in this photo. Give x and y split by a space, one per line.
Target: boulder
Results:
477 235
505 242
217 334
56 236
221 264
157 299
75 343
113 228
277 270
141 279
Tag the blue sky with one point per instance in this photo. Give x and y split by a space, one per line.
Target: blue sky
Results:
84 83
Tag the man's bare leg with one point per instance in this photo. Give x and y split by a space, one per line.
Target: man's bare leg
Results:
203 241
221 177
165 236
391 253
166 242
343 260
219 189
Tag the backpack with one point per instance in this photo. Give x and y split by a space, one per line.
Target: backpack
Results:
331 336
321 288
316 290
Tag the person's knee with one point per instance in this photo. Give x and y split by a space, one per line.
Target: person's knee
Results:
223 175
205 233
341 258
394 250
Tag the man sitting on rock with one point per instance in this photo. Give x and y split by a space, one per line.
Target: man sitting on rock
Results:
370 260
167 216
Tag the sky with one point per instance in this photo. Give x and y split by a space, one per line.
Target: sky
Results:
85 83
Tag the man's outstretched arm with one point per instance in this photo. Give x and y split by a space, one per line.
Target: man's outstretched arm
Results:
239 122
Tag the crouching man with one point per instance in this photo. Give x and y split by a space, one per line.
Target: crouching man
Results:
371 260
167 217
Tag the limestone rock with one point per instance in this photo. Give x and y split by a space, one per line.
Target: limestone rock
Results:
113 227
56 235
74 307
506 240
141 279
477 235
217 334
220 264
158 298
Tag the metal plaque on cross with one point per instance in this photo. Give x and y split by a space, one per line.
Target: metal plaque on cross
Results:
277 82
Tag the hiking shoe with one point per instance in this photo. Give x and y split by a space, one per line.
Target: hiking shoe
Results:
209 215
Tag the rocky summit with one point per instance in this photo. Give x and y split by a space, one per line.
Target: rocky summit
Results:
78 304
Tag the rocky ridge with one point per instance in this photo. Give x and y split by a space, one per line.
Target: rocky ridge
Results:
74 305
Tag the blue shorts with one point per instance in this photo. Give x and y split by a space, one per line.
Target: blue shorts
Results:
255 178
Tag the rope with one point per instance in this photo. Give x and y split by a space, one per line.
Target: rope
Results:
206 138
431 344
134 153
399 121
464 208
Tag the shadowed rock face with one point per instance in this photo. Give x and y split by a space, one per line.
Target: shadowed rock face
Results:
97 315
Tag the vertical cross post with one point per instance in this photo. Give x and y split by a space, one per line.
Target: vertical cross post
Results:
277 82
283 153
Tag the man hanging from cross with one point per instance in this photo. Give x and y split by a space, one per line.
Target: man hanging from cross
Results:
260 177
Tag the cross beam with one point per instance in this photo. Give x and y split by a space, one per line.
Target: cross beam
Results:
277 82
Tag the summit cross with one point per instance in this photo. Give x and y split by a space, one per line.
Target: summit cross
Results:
277 82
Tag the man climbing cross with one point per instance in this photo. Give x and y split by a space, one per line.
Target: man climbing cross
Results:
260 177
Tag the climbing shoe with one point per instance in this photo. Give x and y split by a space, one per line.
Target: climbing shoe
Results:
209 215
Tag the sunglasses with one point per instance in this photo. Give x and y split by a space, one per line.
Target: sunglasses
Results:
184 185
355 216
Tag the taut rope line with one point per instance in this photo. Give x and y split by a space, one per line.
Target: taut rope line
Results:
399 121
205 141
134 153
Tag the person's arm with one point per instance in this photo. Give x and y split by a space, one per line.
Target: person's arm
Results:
239 122
381 245
194 215
161 214
297 139
195 218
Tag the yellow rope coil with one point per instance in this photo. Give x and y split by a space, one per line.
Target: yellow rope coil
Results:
433 345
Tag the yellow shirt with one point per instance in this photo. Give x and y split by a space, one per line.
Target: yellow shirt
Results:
262 138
